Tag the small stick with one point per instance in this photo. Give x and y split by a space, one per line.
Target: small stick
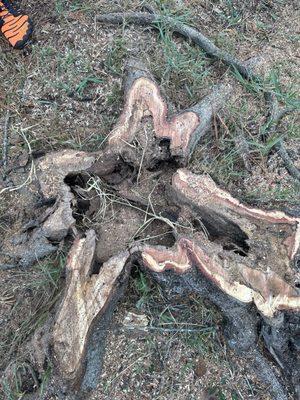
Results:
275 115
5 143
289 165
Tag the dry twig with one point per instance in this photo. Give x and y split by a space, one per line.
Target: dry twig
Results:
275 115
5 143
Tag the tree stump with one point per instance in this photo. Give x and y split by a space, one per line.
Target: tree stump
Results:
242 259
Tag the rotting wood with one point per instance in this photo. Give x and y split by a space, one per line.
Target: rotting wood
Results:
229 262
52 171
143 98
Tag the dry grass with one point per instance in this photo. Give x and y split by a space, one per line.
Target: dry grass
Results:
26 299
65 91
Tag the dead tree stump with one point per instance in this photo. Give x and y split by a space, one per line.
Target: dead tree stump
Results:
240 258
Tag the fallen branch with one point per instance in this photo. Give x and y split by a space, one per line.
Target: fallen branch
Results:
275 116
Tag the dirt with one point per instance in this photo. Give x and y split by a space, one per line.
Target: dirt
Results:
165 365
65 91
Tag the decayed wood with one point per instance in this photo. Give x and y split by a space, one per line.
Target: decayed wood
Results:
264 245
205 194
240 255
268 291
191 268
241 322
52 171
39 238
198 263
213 263
87 296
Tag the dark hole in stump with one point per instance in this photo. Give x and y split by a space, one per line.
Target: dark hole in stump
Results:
221 230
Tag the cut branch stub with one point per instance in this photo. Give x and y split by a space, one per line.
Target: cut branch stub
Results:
87 296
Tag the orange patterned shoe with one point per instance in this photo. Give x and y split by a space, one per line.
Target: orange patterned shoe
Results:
15 26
